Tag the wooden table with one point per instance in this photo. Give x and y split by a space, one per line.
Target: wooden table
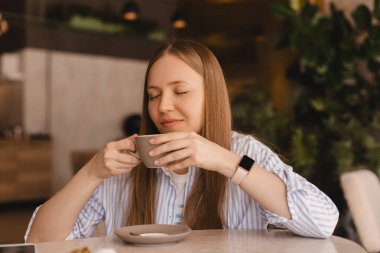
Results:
203 241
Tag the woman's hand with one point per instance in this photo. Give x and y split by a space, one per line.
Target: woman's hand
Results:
190 149
114 159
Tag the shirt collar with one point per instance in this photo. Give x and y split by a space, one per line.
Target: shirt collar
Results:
162 170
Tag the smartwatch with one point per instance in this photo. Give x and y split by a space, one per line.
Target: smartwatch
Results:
242 170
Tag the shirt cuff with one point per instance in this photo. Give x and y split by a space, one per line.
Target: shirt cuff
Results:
294 183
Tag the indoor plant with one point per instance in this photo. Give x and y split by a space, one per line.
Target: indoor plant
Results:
335 121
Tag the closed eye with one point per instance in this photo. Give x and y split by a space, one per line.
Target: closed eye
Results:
153 97
181 93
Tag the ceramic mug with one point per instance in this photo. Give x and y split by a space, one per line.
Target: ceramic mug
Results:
143 147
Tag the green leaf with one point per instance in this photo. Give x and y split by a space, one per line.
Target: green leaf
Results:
309 11
282 10
362 17
374 36
304 150
318 104
343 154
341 26
322 69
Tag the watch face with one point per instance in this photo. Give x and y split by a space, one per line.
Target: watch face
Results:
246 163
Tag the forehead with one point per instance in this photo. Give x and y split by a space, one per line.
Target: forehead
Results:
169 69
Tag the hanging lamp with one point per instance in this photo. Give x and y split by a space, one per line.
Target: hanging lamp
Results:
179 20
131 11
3 25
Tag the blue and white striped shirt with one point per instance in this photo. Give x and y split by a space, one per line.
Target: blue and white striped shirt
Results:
313 213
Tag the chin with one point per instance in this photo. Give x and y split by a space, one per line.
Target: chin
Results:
172 130
166 131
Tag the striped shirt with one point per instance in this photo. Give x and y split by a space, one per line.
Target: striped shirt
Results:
313 213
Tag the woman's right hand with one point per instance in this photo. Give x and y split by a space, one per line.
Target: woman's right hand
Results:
56 217
114 159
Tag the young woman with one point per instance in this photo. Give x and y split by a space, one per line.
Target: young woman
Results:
211 177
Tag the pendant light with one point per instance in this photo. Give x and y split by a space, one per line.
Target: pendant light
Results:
131 11
178 20
3 25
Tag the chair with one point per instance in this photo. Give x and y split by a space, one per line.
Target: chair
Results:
79 158
361 190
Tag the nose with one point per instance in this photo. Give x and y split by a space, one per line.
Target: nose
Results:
166 103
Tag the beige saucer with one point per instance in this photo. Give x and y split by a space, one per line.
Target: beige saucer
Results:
153 234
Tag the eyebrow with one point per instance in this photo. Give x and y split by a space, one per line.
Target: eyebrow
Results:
171 83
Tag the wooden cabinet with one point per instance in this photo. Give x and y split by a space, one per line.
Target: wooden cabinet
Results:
25 170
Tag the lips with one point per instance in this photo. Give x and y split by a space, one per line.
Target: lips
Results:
171 123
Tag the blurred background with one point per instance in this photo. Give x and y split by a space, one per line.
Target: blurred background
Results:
302 75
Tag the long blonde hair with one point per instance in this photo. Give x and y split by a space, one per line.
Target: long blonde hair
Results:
204 208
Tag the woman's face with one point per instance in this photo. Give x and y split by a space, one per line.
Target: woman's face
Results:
176 96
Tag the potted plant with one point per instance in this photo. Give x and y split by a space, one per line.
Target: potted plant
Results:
335 125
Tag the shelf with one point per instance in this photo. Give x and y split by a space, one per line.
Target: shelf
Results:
73 40
25 171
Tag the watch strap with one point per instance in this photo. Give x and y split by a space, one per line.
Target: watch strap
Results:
242 170
239 176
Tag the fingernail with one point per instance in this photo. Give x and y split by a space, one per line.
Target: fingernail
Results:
152 141
151 153
156 162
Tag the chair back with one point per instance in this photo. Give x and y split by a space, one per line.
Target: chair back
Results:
79 158
361 189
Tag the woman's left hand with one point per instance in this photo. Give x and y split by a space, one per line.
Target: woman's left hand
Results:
190 149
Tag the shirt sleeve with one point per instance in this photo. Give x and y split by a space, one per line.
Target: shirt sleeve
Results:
92 214
313 212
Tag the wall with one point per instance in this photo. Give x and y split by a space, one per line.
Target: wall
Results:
36 118
80 100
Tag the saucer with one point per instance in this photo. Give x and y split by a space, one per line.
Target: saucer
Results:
153 233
